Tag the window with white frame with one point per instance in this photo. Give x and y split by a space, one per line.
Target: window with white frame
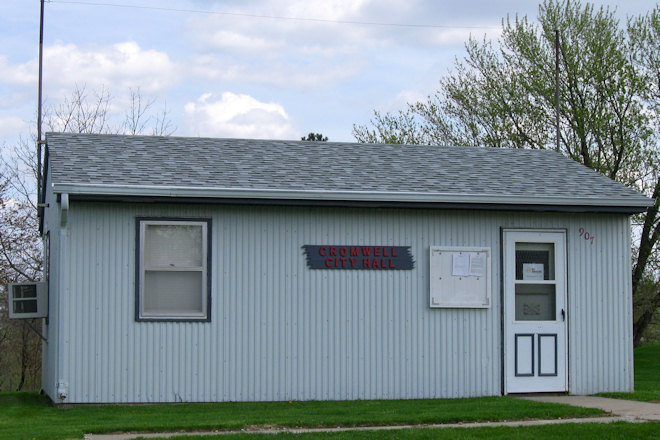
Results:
173 270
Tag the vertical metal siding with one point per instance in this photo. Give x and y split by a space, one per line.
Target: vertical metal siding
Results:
281 331
600 305
49 371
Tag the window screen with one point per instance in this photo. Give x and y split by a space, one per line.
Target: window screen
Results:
173 270
537 258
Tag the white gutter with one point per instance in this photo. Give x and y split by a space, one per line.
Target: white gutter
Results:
359 196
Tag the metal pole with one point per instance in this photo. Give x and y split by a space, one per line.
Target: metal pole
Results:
41 56
557 84
34 329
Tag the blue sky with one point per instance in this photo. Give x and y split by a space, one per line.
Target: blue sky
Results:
228 71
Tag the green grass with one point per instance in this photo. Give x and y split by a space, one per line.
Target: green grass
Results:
30 416
610 431
647 376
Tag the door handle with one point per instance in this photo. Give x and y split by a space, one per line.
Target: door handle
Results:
563 315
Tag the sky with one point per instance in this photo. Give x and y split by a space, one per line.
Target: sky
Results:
275 69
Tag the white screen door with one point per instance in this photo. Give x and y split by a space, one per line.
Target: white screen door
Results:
535 311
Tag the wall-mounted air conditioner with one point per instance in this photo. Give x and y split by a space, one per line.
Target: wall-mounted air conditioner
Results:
28 300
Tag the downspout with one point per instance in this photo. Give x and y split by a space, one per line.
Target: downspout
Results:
61 387
64 205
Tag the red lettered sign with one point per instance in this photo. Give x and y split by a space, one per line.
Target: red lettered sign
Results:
359 257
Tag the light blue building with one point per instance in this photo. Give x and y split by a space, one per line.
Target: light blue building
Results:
192 269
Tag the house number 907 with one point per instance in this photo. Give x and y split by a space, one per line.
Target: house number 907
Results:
586 235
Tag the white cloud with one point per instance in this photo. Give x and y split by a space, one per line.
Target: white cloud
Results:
273 38
405 97
22 74
458 37
289 53
239 116
294 74
123 64
327 9
313 51
11 125
237 41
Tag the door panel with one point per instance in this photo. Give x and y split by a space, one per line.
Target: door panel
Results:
524 353
547 355
534 311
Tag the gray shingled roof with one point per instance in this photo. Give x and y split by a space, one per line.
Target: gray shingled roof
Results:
178 166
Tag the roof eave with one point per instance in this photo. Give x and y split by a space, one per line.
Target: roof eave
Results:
124 191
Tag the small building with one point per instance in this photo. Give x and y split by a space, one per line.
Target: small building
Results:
195 270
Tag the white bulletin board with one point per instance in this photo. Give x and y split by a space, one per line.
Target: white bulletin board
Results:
460 277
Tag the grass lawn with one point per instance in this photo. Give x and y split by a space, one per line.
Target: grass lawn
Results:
647 376
30 416
609 431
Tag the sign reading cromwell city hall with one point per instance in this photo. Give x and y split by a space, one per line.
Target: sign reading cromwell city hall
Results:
359 257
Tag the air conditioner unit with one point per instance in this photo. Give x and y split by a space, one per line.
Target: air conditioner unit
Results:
28 300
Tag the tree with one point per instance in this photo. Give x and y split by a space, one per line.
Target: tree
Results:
314 137
21 256
89 112
504 96
20 260
4 324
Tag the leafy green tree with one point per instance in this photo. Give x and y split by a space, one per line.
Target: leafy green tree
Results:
315 137
503 95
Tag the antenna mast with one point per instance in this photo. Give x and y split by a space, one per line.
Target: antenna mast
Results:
557 84
39 141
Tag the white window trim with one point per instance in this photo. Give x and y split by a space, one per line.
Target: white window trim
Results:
143 315
41 300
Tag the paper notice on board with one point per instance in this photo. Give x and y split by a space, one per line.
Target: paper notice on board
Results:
460 264
533 271
478 264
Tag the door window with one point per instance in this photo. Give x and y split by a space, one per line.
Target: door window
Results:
535 261
535 302
535 288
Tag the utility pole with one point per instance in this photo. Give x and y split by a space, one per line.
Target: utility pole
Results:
39 141
557 84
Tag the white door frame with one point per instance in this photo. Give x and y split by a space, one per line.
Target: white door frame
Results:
535 352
